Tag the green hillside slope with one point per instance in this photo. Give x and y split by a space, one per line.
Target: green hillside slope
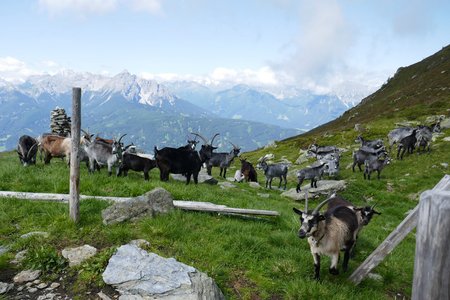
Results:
248 258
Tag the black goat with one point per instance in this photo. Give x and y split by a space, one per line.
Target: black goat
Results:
27 149
181 161
248 171
407 144
136 163
313 173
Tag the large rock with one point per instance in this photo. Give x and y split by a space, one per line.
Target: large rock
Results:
27 275
138 274
155 202
77 255
324 187
203 177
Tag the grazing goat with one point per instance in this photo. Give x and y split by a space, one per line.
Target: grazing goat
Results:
407 144
313 173
424 135
222 160
274 170
363 154
320 151
374 144
27 149
248 171
397 134
181 161
328 234
136 163
238 176
375 165
55 146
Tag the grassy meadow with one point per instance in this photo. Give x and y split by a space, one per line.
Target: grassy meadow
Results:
249 258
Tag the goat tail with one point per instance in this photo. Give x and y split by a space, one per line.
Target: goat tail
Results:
156 150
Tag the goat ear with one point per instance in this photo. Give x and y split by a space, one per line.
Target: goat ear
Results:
321 218
297 211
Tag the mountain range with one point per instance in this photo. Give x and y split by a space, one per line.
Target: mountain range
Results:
162 114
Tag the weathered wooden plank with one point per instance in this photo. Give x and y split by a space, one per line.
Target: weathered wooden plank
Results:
74 199
185 205
432 259
385 247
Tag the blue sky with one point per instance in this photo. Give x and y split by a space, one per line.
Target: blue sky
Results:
315 44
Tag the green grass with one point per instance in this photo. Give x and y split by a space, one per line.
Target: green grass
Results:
248 258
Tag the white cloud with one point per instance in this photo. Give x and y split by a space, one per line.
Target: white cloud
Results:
56 7
14 70
96 7
262 76
151 6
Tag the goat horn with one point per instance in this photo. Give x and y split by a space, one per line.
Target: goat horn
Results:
212 141
121 137
204 140
85 132
234 146
316 210
29 151
306 201
373 206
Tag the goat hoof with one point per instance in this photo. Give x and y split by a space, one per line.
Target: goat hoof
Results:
334 271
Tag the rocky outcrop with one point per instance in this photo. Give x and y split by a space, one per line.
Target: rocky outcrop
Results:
27 275
324 187
155 202
138 274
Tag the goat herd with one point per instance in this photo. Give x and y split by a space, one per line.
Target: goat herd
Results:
328 233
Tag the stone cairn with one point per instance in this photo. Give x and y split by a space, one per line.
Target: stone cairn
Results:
59 122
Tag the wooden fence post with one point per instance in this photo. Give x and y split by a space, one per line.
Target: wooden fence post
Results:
432 259
74 200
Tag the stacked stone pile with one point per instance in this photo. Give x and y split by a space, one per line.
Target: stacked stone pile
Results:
60 122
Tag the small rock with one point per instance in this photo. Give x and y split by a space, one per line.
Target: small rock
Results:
3 249
375 276
390 187
445 165
446 139
19 257
27 275
20 288
79 254
49 296
263 195
54 285
5 287
103 296
42 285
41 233
37 281
32 290
28 284
254 185
226 185
141 243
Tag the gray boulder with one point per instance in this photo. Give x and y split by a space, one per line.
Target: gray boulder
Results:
157 201
5 287
27 275
138 274
324 187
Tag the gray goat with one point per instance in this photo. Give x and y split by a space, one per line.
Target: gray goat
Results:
222 160
374 144
365 153
102 153
397 134
375 165
314 173
274 170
